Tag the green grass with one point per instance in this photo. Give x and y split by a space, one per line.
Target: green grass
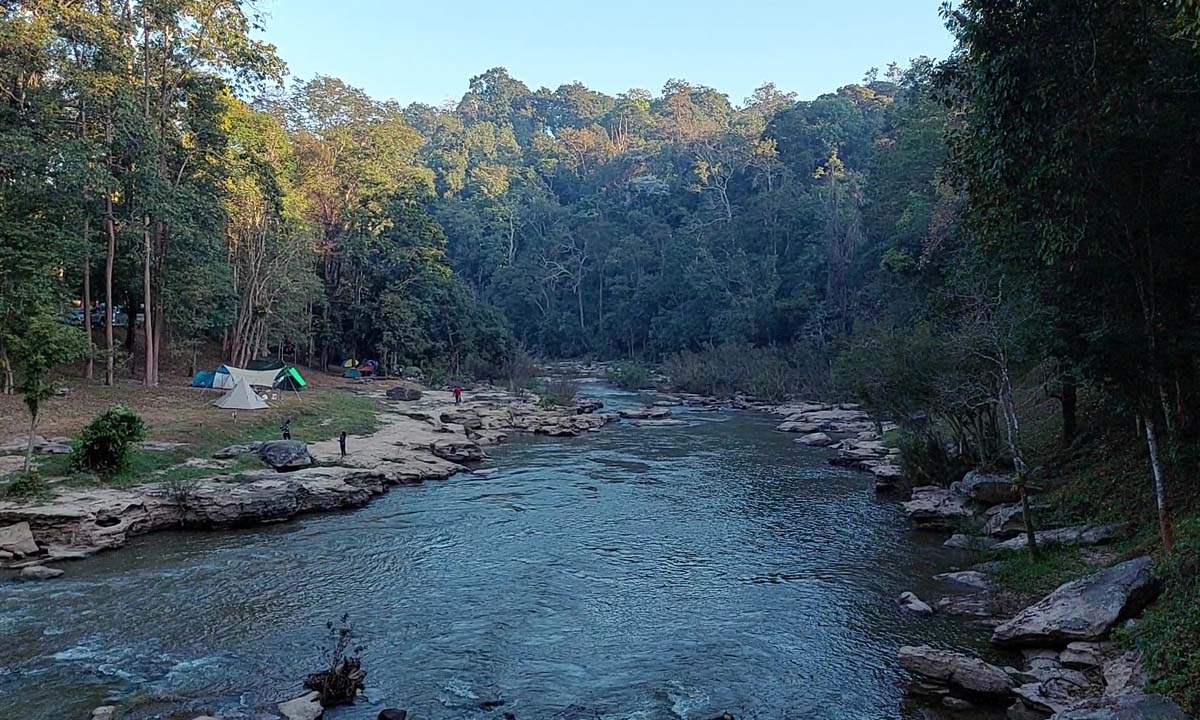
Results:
1053 567
320 417
1169 633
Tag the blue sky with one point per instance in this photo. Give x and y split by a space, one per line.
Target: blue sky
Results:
427 50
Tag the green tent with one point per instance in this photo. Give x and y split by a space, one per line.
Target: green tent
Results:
289 379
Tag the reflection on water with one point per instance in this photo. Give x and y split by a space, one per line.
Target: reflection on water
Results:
638 572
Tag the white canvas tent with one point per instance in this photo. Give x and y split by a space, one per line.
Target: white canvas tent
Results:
228 377
241 397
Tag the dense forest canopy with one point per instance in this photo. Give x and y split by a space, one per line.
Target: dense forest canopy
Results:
929 240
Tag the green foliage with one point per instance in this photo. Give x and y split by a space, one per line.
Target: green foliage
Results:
106 441
1053 566
557 393
1169 632
630 376
25 485
767 373
925 461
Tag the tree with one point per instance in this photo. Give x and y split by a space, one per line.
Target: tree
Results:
44 345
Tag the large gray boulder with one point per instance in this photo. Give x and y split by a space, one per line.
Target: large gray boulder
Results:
469 419
39 572
1077 535
285 454
988 488
956 670
1084 609
305 707
646 413
933 507
459 451
406 393
1004 521
18 539
1124 707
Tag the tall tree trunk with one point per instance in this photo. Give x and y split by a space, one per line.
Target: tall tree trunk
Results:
149 379
1160 487
110 253
1070 401
87 301
29 445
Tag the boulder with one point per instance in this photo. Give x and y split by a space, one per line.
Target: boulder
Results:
1124 675
987 488
977 606
104 712
39 572
18 539
392 714
1055 694
405 393
956 670
1084 655
588 406
933 507
963 541
669 422
305 707
914 604
969 578
1084 609
646 413
1004 521
285 454
459 451
469 419
798 426
1078 535
233 451
817 439
1123 707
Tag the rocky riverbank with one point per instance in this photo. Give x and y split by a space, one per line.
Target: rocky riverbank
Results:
426 437
1069 669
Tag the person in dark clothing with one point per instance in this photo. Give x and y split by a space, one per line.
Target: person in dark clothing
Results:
342 442
286 429
457 395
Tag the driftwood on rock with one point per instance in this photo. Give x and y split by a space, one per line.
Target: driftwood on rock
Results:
340 685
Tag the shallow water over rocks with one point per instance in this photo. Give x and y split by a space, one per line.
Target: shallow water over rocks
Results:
639 572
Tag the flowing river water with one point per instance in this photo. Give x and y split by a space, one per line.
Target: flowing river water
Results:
673 572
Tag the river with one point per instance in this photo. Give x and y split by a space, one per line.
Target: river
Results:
646 573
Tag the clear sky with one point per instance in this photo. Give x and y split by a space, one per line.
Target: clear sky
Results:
427 50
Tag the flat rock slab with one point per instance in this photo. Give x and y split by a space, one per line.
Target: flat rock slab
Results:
988 488
305 707
956 670
968 578
39 572
1082 610
1124 707
1078 535
937 508
18 539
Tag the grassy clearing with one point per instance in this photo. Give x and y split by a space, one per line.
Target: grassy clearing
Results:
316 415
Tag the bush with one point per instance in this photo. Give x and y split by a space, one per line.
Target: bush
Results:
768 373
105 444
925 461
1169 633
630 376
558 393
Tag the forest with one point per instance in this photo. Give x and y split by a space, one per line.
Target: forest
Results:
949 242
933 241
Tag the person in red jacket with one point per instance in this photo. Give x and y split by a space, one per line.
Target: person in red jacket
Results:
457 395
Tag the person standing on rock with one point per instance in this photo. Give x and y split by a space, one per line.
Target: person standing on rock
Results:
342 442
286 429
457 395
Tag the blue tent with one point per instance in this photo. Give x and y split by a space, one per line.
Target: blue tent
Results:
204 379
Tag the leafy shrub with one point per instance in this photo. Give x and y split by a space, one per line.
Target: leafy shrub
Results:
105 444
768 373
925 461
630 376
1169 633
24 486
558 393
